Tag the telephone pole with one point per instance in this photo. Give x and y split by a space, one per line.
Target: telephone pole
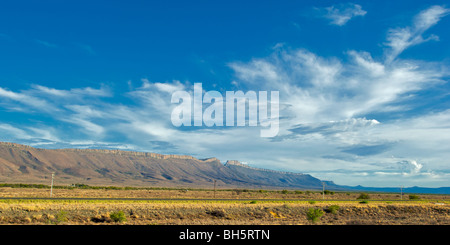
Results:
323 190
51 187
215 189
401 192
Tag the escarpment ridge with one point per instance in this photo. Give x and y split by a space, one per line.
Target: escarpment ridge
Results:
26 164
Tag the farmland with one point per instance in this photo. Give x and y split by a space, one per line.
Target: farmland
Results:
179 206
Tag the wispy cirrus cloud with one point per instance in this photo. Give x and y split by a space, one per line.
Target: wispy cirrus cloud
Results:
46 44
61 105
103 91
86 48
327 100
23 98
342 13
341 116
399 39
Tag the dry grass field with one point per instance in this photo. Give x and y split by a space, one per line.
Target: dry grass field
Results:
229 207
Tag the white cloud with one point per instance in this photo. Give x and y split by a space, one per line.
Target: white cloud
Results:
400 39
318 89
25 99
327 125
327 98
13 132
170 87
46 44
410 167
75 92
87 48
340 14
86 125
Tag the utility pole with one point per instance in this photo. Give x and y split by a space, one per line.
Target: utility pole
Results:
215 189
51 187
323 190
401 192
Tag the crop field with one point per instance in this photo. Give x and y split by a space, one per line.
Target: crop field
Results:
128 206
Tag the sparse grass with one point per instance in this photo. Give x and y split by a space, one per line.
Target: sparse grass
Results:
82 191
180 207
219 212
61 217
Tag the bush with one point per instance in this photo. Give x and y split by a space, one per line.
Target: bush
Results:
414 197
61 217
118 216
364 202
285 192
220 213
312 202
298 192
364 196
332 209
314 214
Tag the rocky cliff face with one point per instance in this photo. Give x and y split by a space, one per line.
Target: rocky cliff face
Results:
25 164
239 164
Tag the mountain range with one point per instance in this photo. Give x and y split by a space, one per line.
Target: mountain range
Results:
26 164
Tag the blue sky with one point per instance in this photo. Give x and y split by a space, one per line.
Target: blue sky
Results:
364 92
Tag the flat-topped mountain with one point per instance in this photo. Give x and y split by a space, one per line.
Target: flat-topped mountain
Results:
25 164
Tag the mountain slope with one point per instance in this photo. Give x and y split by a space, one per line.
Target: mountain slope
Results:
25 164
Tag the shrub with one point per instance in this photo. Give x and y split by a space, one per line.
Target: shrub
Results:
253 202
327 192
285 192
364 196
312 202
364 202
332 209
298 192
314 214
217 213
414 197
118 216
61 216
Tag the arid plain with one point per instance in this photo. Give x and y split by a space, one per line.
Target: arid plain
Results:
140 206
